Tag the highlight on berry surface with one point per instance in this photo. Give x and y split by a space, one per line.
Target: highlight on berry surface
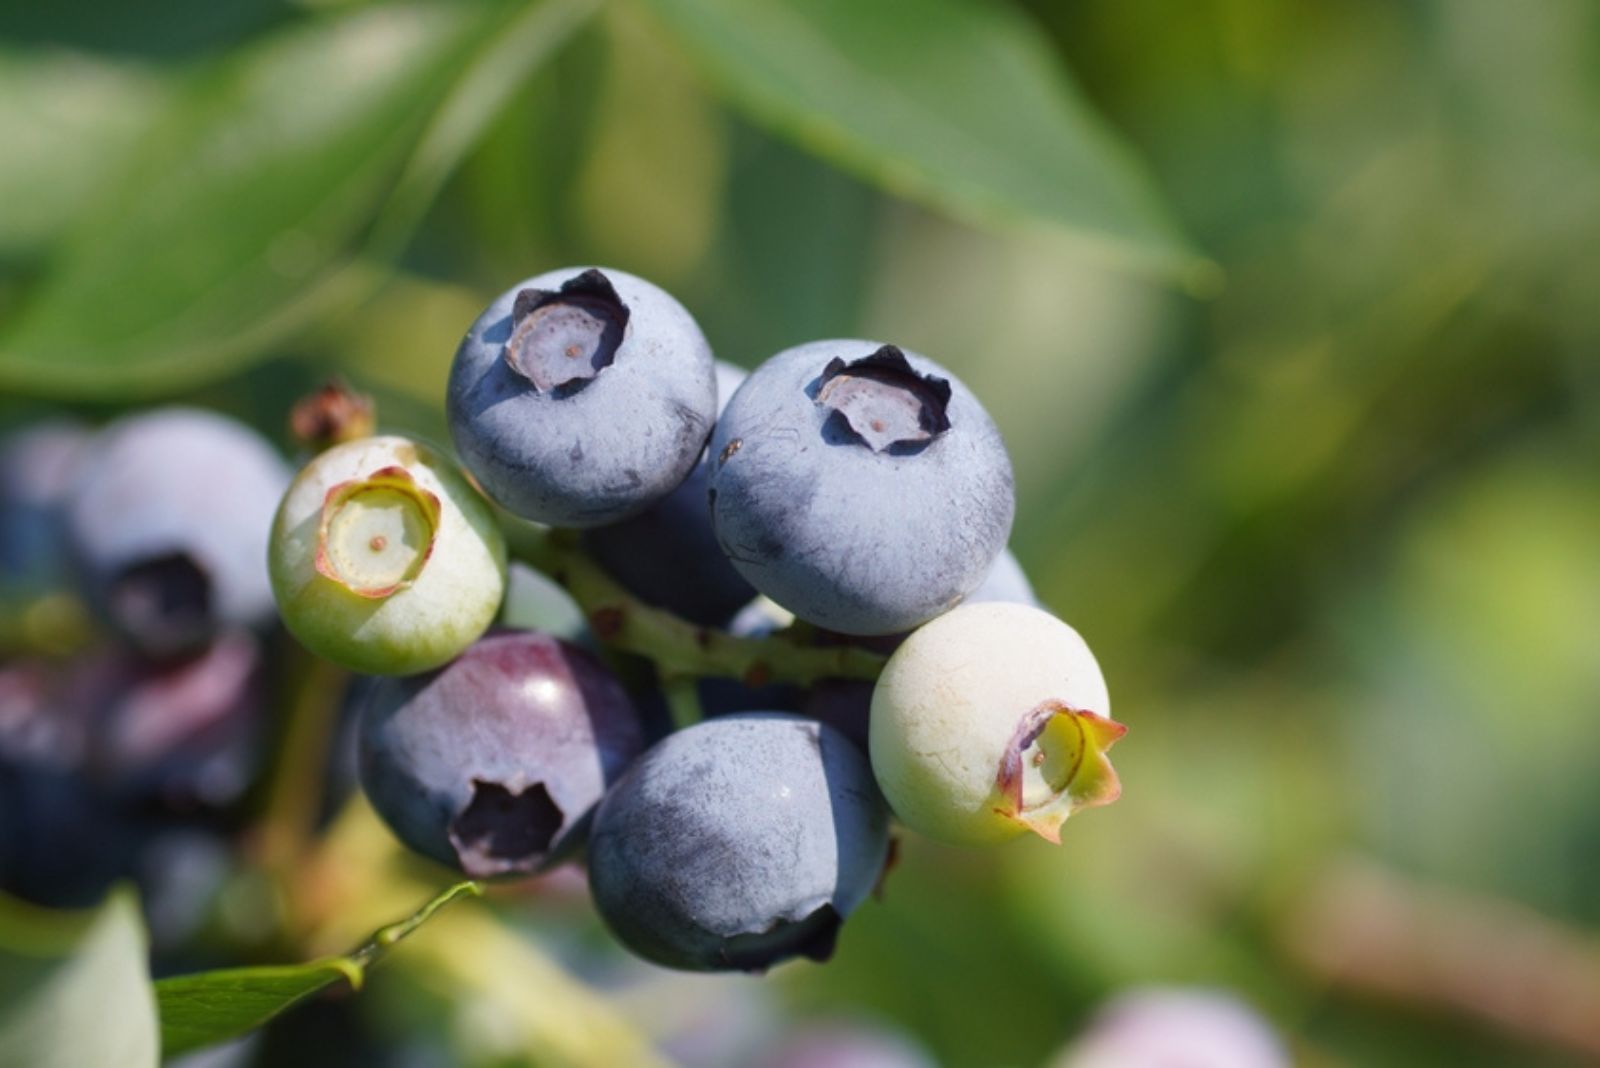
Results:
492 765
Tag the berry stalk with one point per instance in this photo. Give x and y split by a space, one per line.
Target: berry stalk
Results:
677 647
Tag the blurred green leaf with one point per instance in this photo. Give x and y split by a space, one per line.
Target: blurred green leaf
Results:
658 220
961 106
784 273
209 1007
61 116
240 215
73 987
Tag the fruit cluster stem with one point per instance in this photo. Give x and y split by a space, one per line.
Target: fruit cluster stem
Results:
680 648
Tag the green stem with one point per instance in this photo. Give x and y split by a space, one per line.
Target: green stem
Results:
385 937
294 789
677 647
683 701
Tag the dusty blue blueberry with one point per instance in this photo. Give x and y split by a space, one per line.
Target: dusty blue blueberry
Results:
738 843
668 556
859 486
493 764
581 397
1006 581
168 523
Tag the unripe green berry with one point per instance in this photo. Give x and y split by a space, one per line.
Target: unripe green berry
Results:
384 559
990 721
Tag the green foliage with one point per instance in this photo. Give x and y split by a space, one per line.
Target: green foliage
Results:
255 190
73 988
209 1007
1331 532
238 217
957 106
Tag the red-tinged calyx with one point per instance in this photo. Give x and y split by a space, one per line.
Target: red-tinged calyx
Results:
883 402
377 533
562 338
1054 765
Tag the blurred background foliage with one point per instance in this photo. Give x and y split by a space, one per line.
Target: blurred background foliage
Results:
1314 470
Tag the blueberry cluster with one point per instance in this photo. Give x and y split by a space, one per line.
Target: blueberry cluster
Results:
132 736
806 626
848 496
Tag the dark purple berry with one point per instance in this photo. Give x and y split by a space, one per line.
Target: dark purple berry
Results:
492 764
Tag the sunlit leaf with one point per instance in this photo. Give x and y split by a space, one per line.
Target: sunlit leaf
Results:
240 216
209 1007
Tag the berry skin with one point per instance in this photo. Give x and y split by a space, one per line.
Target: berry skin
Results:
668 556
581 397
383 558
859 486
737 843
991 721
168 524
1006 581
492 765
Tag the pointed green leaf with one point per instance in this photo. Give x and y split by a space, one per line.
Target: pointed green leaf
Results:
241 213
208 1007
956 103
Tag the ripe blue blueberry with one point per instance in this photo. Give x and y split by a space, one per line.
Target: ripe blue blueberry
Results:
492 765
168 523
738 843
581 397
859 486
668 556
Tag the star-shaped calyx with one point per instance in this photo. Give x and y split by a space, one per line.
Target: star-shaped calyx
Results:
562 338
884 402
376 533
1054 765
